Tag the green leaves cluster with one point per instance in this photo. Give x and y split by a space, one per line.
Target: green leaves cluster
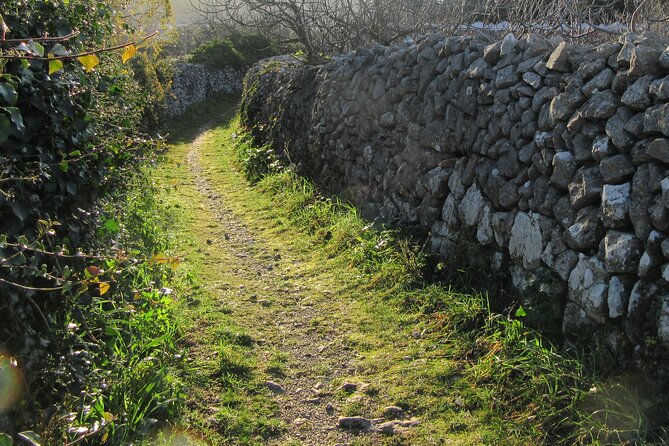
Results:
78 307
237 51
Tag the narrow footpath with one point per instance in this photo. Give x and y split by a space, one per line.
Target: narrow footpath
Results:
285 343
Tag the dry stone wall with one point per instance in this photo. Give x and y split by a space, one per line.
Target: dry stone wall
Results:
553 156
194 83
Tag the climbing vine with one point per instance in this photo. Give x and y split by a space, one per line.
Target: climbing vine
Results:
70 114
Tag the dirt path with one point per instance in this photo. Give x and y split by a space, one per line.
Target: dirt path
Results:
285 305
281 336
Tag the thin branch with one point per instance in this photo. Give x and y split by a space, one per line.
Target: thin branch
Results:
87 53
29 288
42 39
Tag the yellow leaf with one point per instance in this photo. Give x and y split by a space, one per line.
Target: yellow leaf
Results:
104 287
105 437
89 62
129 51
55 66
163 259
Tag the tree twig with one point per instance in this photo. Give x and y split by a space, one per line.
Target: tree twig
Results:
86 53
42 39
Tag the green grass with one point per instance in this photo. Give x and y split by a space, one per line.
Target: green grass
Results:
471 375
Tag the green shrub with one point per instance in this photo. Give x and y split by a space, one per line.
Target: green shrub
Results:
237 51
81 312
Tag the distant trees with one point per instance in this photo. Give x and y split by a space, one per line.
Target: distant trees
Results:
325 27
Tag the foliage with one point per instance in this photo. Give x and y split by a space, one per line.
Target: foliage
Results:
155 74
81 303
237 51
256 161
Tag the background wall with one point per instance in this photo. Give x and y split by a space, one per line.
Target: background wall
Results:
193 83
552 157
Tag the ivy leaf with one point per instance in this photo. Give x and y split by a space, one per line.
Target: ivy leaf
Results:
112 226
89 62
5 128
17 119
162 259
59 50
55 66
23 47
128 53
520 312
6 440
104 287
31 437
92 271
36 48
8 93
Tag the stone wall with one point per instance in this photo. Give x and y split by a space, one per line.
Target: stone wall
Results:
193 83
554 157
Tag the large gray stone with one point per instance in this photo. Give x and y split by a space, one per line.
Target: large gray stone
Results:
601 105
616 169
615 129
663 323
656 120
601 147
640 202
664 59
586 231
564 168
659 89
484 231
602 81
565 57
533 80
586 187
564 105
636 96
618 297
471 206
506 77
615 204
659 149
652 258
588 288
644 60
449 213
622 252
526 243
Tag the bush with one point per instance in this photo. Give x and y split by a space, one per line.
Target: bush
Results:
79 308
238 51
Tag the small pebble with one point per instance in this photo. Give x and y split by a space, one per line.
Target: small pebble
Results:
274 387
392 412
349 387
354 423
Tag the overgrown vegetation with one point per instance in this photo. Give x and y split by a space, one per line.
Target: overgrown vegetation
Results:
506 369
86 332
236 51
